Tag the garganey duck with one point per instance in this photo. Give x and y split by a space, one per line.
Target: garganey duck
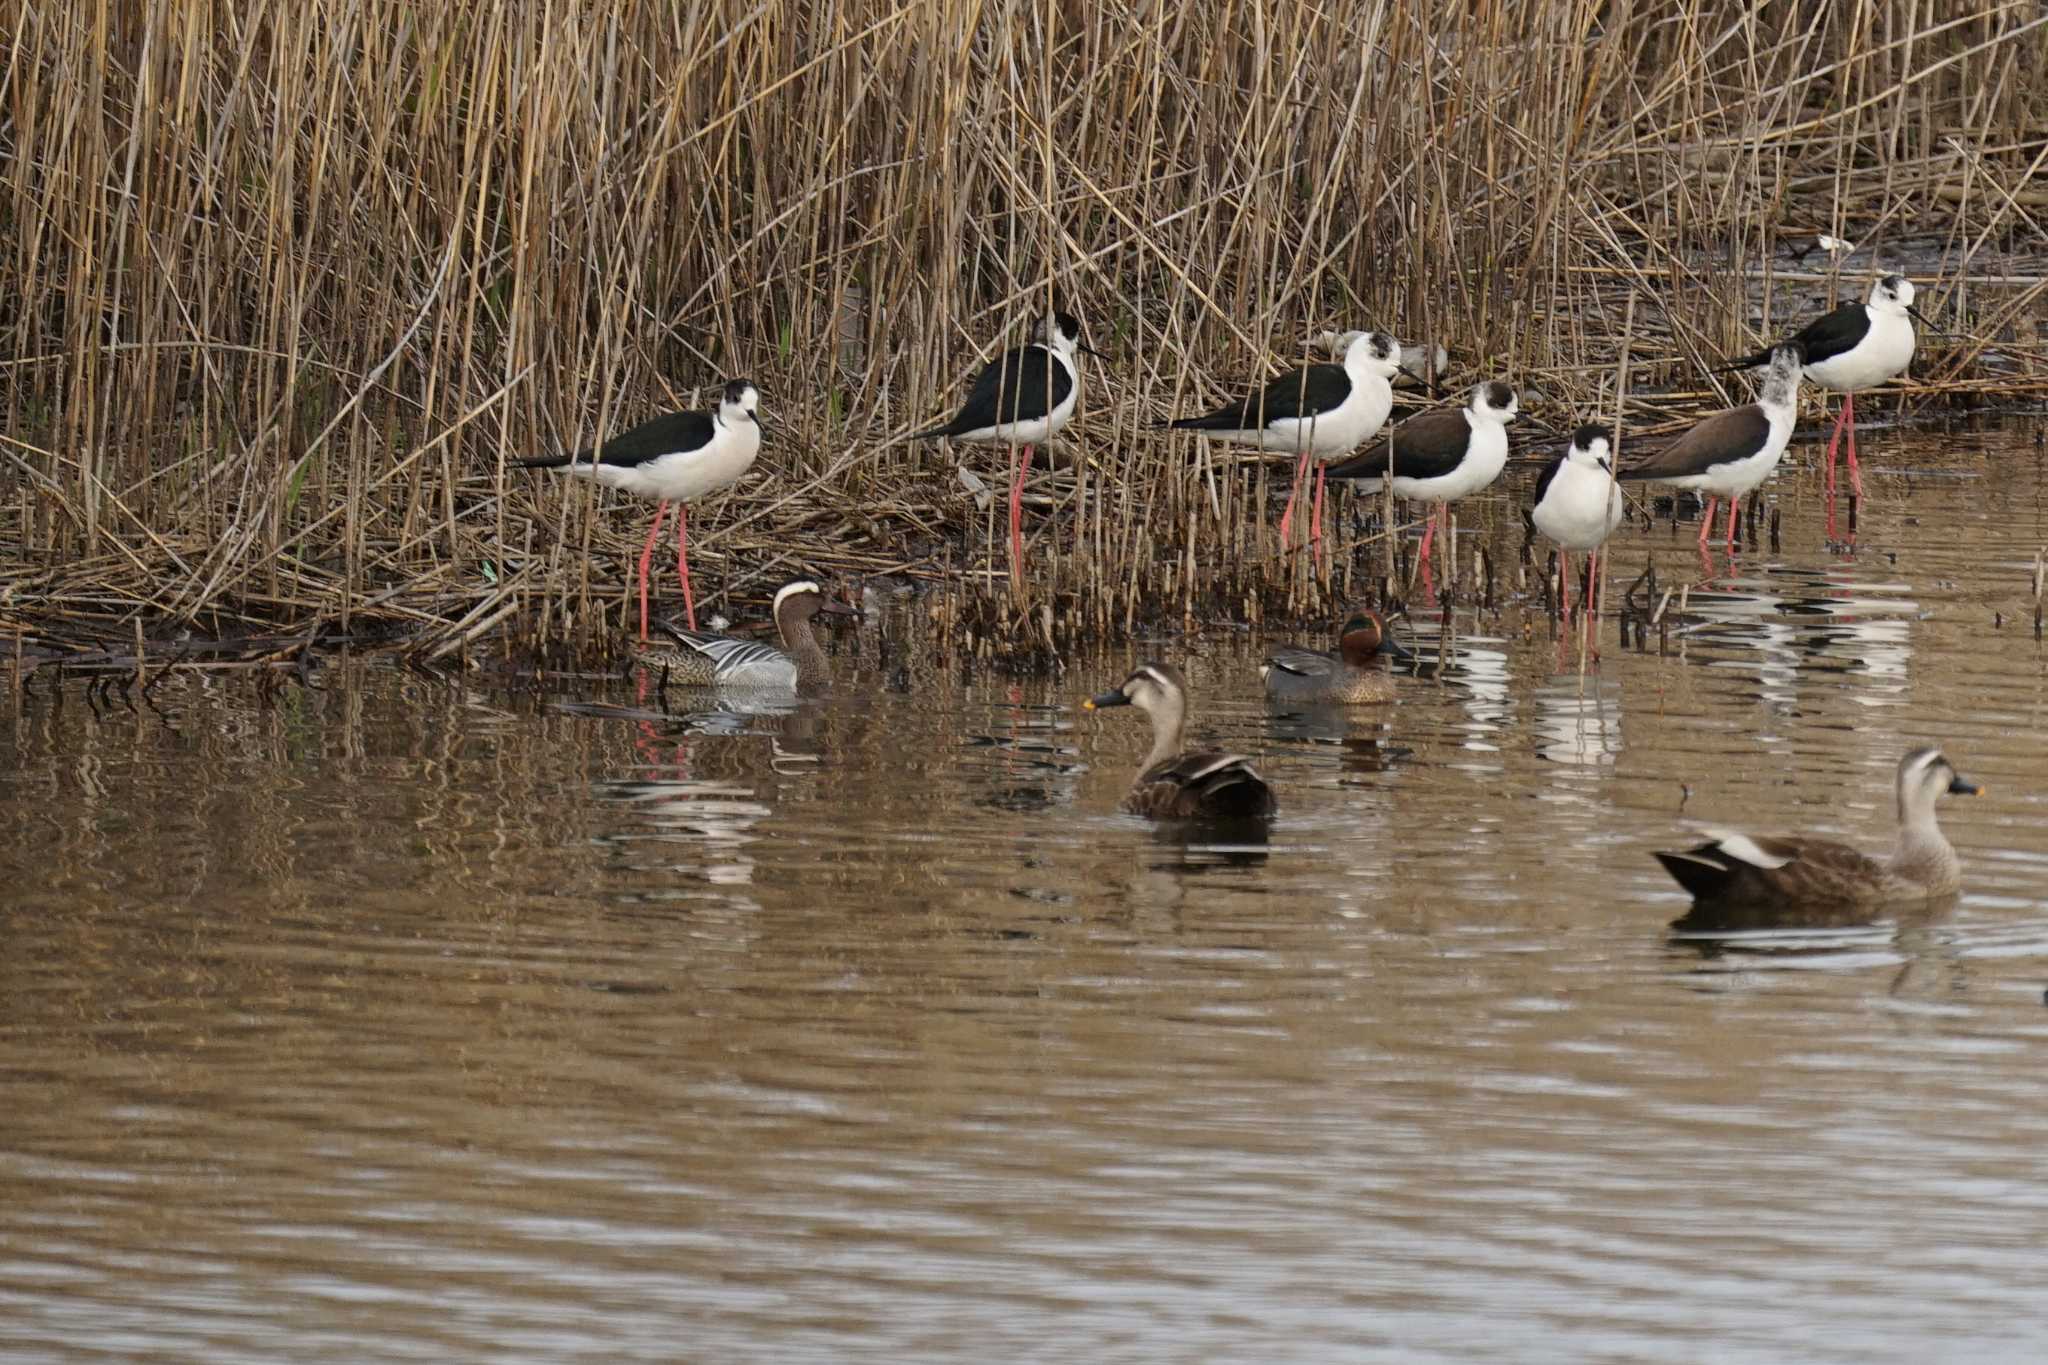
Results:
693 659
1733 868
1296 673
1183 785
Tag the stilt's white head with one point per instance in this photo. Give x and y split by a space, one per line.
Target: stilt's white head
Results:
739 403
1062 332
1373 353
1592 446
1892 294
1494 401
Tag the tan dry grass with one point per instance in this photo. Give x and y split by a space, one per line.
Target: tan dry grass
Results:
283 285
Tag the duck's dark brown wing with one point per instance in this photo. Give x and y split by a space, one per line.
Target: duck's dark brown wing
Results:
1206 784
1751 869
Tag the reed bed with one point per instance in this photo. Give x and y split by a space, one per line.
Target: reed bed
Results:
284 286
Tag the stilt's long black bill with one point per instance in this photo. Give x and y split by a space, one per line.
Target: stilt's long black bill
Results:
1922 318
1114 697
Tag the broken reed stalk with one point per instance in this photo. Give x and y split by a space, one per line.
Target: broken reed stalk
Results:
266 368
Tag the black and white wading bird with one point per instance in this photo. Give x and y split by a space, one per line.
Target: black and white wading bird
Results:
1578 505
1020 399
1732 452
1442 455
678 457
1316 411
1856 347
1176 783
692 658
1798 870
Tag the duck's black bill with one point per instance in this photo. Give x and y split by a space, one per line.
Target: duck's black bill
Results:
832 606
1114 697
1391 644
1962 786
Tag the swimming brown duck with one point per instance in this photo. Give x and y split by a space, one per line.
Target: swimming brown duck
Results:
1177 784
1296 673
691 658
1733 868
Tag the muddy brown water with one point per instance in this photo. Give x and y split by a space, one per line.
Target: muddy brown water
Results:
389 1020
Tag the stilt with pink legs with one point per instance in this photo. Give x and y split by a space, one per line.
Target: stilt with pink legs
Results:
678 457
1578 505
1440 456
1731 453
1020 399
1318 412
1855 347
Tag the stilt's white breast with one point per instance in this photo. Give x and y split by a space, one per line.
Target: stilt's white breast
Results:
1574 513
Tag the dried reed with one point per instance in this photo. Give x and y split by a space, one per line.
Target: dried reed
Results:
285 285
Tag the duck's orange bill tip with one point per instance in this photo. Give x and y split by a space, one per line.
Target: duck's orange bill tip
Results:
1088 704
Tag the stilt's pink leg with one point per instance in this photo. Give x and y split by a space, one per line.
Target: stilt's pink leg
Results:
683 569
1834 440
1315 529
1429 532
1734 506
647 558
1021 465
1855 474
1564 585
1293 495
1707 524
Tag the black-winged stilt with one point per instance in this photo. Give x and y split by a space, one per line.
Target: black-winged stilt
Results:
1578 505
1732 452
1856 347
677 457
1020 399
1442 455
1316 411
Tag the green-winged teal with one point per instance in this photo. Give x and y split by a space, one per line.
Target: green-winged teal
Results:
1296 673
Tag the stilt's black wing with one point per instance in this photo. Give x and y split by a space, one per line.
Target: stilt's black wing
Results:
1307 392
669 434
1826 337
1018 386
